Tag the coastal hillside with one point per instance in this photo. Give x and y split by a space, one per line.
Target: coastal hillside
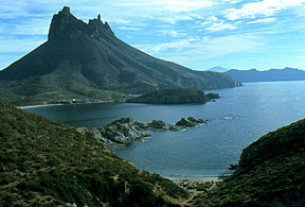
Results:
270 173
253 75
43 163
86 61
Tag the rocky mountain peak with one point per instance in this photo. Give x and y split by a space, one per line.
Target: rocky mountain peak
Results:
64 24
66 10
98 26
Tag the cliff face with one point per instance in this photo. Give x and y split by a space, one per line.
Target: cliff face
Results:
43 163
86 60
270 173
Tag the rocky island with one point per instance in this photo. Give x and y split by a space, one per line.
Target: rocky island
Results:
126 130
174 96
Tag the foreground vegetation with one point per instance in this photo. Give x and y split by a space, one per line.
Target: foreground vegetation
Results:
43 163
271 172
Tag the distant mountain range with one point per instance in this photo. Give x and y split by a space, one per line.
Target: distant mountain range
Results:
253 75
87 61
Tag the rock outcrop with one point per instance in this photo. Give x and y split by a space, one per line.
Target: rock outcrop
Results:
126 130
121 131
190 122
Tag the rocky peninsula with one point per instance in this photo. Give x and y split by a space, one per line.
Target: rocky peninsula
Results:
126 130
175 96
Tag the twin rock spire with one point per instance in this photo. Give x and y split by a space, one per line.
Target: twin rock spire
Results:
65 24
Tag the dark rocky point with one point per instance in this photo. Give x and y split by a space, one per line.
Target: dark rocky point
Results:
174 96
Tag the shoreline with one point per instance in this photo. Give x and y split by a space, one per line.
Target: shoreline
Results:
37 106
195 178
60 104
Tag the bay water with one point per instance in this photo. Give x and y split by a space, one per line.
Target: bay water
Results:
239 117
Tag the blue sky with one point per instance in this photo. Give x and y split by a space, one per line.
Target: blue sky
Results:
199 34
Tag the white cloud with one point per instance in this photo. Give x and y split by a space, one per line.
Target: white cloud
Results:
219 26
172 33
184 5
231 1
265 8
265 20
174 18
206 47
130 28
119 21
215 24
213 18
199 17
176 45
175 6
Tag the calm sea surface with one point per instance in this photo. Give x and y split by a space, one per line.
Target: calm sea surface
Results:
237 119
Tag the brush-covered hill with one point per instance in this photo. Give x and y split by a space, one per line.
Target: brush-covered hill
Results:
271 173
43 163
87 61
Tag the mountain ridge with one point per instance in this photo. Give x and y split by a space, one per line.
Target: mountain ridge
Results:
254 75
87 61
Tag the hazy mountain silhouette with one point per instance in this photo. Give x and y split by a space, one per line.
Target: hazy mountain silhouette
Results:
218 69
86 60
253 75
